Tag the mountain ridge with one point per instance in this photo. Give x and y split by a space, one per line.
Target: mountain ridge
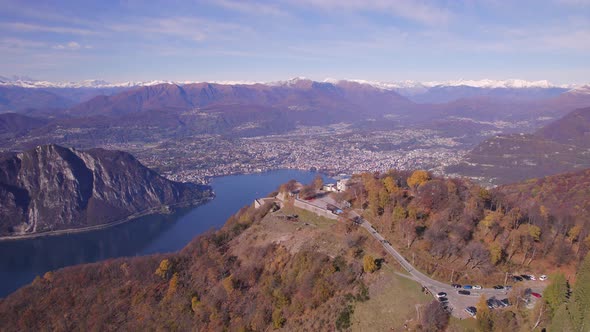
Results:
52 188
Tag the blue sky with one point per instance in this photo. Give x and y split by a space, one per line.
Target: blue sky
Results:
274 40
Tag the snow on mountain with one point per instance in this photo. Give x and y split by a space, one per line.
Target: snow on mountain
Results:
407 87
580 90
26 82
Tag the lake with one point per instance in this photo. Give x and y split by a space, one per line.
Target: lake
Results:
21 261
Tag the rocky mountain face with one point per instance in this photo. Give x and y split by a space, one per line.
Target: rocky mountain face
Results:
55 188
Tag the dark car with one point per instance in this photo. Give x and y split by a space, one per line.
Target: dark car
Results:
464 292
505 302
517 278
498 287
443 299
526 276
490 303
495 303
456 285
471 310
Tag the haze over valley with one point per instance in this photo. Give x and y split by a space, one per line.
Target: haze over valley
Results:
310 165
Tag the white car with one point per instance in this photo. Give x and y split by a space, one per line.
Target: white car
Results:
441 294
476 287
543 277
532 277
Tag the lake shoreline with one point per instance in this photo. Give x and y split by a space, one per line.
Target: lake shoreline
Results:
151 211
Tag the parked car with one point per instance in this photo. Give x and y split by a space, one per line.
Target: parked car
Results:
467 287
443 300
441 294
464 292
456 285
517 278
507 288
532 277
505 302
490 303
476 287
543 277
471 310
525 276
498 287
537 295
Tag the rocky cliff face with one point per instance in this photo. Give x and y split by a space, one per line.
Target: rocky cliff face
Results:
55 188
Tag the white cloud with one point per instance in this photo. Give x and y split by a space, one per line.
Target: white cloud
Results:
27 27
417 11
71 46
251 7
188 28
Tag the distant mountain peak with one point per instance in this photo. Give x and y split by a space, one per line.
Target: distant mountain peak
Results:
27 82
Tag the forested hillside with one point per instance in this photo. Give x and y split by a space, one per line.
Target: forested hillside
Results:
454 227
271 270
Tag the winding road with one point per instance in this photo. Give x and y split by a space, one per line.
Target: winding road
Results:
457 301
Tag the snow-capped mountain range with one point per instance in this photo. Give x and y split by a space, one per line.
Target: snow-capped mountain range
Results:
416 86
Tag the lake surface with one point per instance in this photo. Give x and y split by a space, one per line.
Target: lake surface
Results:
21 261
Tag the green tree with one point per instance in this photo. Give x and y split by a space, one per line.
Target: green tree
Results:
580 308
369 264
556 293
417 178
561 321
484 316
343 320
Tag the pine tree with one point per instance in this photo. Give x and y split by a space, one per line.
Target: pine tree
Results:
580 307
561 321
556 293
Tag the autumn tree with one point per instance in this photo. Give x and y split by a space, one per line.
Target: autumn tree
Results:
484 317
307 192
434 317
369 264
417 178
318 182
164 270
574 233
496 253
390 185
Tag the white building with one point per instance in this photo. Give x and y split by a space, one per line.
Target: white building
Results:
329 187
342 184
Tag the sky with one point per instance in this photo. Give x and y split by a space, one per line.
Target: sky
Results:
232 40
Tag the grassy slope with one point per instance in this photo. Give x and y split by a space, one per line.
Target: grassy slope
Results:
393 302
